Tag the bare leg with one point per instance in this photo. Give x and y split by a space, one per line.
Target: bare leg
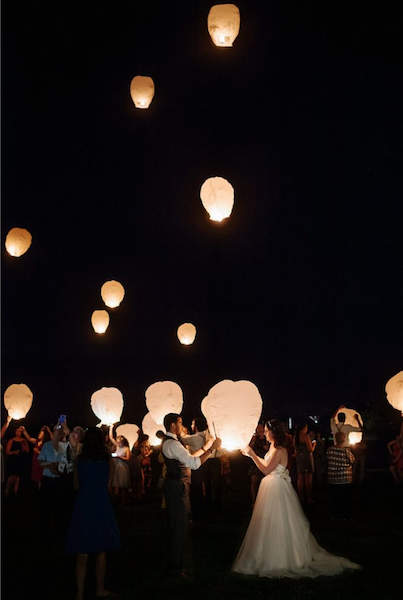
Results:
10 483
100 569
81 572
16 484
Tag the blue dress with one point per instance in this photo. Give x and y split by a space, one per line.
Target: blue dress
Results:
93 525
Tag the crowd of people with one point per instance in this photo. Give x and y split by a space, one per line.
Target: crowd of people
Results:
73 467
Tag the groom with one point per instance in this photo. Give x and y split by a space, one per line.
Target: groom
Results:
179 463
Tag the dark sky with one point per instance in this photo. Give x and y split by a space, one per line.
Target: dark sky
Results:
300 291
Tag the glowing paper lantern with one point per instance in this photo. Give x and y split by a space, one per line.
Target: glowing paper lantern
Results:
223 23
162 398
232 410
100 321
350 420
142 90
18 241
107 405
130 431
394 391
18 400
150 428
217 196
186 333
354 437
112 293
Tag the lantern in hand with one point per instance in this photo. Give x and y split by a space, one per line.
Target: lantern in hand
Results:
217 196
107 405
18 241
223 23
150 428
18 400
164 397
142 90
186 333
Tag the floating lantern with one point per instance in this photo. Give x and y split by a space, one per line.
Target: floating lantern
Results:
354 437
130 432
217 196
18 400
100 321
18 241
394 391
142 90
350 417
162 398
150 428
186 334
223 23
112 293
232 410
107 405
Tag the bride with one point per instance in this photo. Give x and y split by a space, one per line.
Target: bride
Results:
278 542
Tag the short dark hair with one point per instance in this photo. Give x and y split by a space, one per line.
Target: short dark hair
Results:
93 446
200 423
169 419
341 417
340 437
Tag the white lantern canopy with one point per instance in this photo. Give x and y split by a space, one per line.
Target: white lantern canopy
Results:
394 391
223 23
217 196
164 397
232 410
186 334
112 293
130 431
142 90
354 437
150 428
18 241
350 417
18 400
100 321
107 405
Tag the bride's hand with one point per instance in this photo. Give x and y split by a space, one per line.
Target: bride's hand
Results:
246 451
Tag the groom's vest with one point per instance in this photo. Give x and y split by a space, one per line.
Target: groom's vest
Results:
175 469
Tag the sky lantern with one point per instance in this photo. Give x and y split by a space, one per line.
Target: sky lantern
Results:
107 405
394 391
354 437
232 410
18 241
150 427
217 196
164 397
142 90
100 321
223 23
130 431
350 417
186 334
18 400
112 293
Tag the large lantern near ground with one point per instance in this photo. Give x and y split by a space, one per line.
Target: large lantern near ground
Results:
150 427
18 400
186 334
142 90
18 241
350 417
164 397
217 196
100 321
130 431
107 405
232 410
223 23
112 293
394 391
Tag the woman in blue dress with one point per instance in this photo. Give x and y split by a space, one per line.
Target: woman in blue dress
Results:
93 528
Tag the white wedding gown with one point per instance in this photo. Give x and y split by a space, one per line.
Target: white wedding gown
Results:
278 542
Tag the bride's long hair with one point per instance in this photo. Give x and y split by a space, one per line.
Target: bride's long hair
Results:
278 433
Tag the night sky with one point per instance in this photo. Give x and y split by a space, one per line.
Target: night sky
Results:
299 291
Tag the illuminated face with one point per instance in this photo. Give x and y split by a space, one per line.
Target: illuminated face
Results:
120 440
193 426
18 431
41 435
268 434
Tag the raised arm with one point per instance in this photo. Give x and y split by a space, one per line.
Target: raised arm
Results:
27 436
5 426
265 466
112 439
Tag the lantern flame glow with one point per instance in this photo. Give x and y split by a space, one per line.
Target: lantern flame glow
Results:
354 437
112 293
18 241
18 400
223 23
100 321
186 333
217 196
142 90
150 427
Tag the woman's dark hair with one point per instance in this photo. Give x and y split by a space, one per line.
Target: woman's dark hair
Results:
278 433
93 446
298 430
124 440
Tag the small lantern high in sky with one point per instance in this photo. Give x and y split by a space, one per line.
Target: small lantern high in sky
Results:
232 410
142 90
100 321
130 431
217 196
18 241
18 400
112 293
394 391
107 405
150 427
186 334
164 397
223 23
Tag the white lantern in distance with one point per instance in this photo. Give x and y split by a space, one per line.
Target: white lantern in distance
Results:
354 437
394 391
112 293
150 428
18 400
217 196
186 334
142 90
100 321
223 23
107 405
130 431
232 410
164 397
18 241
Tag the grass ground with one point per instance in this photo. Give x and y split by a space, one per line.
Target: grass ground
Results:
373 538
